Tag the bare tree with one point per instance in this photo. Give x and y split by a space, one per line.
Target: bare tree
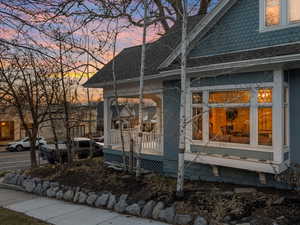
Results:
180 173
22 76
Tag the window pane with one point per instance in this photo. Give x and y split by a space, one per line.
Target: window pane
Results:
264 95
294 10
272 12
265 126
230 125
197 123
229 97
197 98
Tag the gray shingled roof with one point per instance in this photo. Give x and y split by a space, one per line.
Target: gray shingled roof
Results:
239 56
128 61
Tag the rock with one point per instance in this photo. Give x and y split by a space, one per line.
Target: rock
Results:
29 185
121 205
167 214
227 219
69 195
111 202
38 189
102 200
244 190
200 221
59 195
243 224
82 198
91 199
46 185
20 180
141 203
51 192
183 219
76 197
279 201
148 209
10 178
156 210
54 184
134 209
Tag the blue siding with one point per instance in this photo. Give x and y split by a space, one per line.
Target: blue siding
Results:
244 78
149 162
239 30
171 111
294 83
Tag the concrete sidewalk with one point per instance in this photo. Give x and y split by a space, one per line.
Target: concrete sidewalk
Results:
63 213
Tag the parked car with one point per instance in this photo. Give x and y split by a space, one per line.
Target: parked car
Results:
24 144
81 148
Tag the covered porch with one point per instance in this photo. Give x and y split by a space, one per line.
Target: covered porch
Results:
121 122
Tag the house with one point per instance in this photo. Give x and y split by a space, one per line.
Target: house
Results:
11 128
243 87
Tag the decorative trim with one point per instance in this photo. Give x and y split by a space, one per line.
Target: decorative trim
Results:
238 163
236 64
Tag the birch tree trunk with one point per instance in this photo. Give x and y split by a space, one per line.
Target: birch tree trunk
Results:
180 172
141 92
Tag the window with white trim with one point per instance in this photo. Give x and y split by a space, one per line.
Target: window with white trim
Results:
234 117
229 116
276 14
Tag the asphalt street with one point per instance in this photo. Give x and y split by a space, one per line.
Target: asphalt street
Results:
14 160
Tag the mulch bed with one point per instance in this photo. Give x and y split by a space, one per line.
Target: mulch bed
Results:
214 201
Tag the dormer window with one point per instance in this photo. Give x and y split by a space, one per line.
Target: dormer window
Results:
278 14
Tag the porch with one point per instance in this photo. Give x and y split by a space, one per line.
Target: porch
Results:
122 122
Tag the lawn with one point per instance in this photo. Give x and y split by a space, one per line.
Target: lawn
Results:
8 217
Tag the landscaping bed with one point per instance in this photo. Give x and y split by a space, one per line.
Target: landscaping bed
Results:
216 202
8 217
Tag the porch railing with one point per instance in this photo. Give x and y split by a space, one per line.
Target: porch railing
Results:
151 143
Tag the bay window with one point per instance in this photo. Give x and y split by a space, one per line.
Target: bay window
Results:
279 14
240 117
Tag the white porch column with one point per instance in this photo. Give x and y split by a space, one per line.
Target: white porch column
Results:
278 115
107 122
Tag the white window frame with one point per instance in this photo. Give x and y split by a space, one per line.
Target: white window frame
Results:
284 17
277 147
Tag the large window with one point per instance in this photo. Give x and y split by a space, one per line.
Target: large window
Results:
243 116
279 13
229 116
6 130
